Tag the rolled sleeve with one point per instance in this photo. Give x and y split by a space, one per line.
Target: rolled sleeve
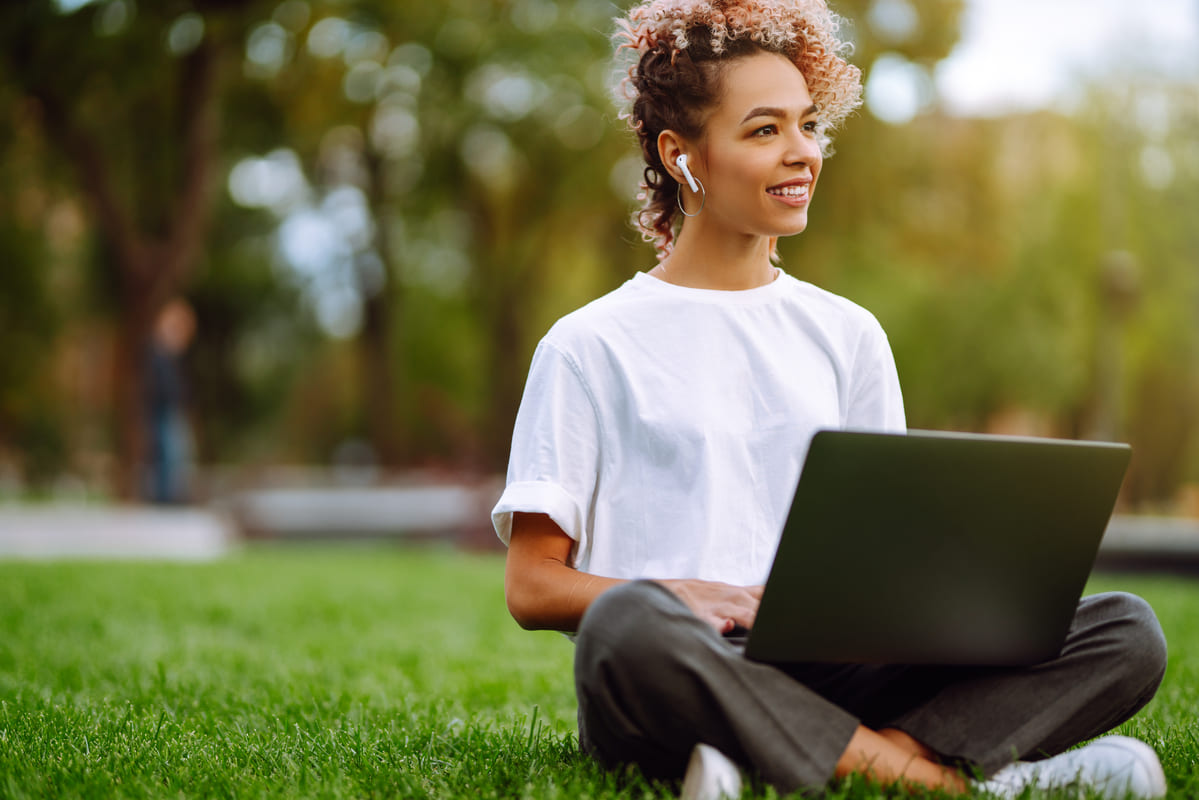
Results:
553 468
537 497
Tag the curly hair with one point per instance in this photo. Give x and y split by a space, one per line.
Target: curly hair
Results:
677 50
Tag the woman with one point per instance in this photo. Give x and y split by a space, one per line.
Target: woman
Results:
662 432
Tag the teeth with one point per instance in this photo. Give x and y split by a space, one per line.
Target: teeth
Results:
797 190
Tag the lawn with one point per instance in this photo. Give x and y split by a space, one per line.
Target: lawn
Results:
344 672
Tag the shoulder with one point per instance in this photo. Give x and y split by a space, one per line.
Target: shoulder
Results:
591 323
832 312
822 301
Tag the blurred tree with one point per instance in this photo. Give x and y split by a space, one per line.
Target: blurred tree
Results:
29 442
1138 133
467 130
251 345
129 96
327 95
28 323
922 32
536 147
467 164
985 245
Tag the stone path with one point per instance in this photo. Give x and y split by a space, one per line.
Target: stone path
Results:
456 514
114 533
1151 543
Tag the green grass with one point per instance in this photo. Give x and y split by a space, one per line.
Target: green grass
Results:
343 672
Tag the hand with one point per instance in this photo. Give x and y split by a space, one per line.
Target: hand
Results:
721 605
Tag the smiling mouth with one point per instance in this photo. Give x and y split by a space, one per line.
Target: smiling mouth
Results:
797 191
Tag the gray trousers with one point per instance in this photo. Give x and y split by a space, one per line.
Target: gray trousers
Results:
652 680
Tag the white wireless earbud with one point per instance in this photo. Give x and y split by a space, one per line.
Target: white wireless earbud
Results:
682 162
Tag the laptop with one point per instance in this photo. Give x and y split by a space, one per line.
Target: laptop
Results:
936 548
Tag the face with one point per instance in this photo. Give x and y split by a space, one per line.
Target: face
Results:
759 154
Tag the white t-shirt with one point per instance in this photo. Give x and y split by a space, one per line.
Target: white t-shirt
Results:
663 428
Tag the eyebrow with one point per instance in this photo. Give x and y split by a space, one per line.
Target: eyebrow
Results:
771 111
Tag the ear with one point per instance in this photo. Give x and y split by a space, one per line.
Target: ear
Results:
671 145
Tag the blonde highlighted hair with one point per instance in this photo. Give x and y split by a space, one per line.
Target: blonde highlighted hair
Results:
675 50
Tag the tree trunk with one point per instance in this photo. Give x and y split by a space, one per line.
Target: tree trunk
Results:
507 381
377 383
134 329
380 305
152 268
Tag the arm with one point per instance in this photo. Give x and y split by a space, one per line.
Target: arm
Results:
543 591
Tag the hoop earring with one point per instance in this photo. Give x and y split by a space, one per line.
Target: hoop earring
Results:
679 198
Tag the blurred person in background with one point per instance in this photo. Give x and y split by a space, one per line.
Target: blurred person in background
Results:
169 434
661 435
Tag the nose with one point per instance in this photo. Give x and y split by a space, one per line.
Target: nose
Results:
803 148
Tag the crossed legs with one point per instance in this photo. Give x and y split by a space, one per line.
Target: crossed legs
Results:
653 680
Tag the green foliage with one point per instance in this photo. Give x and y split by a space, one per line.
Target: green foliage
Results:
253 342
925 39
344 673
122 85
986 248
499 202
29 323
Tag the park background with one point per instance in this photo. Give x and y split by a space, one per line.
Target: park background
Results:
376 208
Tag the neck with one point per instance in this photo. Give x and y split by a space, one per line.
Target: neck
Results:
724 263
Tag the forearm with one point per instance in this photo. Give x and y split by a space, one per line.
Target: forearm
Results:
544 592
547 594
542 589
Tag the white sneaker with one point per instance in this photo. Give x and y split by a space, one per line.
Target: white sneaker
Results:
1114 767
710 776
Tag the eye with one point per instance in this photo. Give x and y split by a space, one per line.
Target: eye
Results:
810 126
765 130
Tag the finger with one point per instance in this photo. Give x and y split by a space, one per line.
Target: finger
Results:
745 618
745 613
